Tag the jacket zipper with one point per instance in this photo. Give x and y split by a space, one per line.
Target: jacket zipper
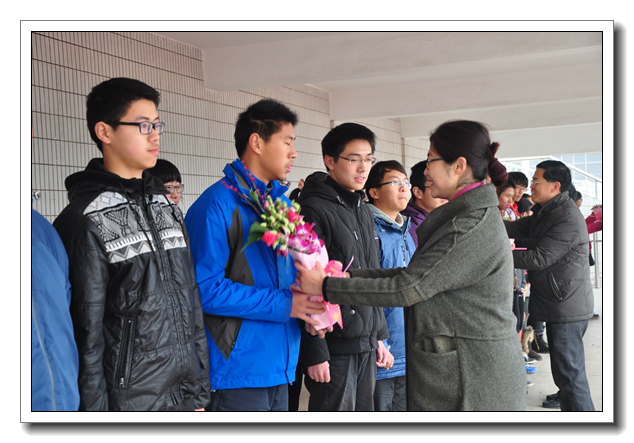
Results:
124 358
165 277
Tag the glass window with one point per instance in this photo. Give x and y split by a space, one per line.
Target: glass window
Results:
594 157
595 169
567 159
579 158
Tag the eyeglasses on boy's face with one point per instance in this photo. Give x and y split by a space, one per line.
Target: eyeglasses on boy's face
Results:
354 161
178 188
144 127
408 185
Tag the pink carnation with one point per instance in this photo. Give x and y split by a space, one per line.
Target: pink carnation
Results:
293 216
269 237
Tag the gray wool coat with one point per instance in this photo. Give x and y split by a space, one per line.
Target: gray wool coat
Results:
459 284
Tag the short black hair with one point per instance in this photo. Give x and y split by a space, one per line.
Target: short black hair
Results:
500 189
265 118
111 99
556 171
378 171
519 178
165 171
524 205
334 143
418 178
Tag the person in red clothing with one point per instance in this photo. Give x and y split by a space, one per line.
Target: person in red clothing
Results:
594 223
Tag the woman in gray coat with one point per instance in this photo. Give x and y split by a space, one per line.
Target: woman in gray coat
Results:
463 353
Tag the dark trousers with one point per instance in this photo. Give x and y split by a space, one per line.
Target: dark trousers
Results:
538 326
351 386
274 398
518 310
390 394
568 364
295 390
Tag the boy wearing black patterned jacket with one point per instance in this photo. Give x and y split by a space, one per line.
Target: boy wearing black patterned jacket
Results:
135 304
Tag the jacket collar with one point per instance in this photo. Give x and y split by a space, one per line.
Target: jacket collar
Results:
482 197
238 174
96 177
351 198
386 221
540 211
322 185
416 212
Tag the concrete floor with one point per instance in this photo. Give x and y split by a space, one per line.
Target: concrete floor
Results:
542 379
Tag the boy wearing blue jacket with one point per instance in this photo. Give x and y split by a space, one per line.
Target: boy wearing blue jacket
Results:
250 314
388 193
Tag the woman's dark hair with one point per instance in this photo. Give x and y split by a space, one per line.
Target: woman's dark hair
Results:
556 171
111 99
375 177
471 140
503 187
165 171
264 118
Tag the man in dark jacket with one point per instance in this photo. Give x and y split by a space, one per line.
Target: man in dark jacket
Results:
341 371
135 305
561 292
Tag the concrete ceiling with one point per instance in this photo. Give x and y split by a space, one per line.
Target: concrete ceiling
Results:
539 92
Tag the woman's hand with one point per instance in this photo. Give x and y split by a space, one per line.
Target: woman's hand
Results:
309 281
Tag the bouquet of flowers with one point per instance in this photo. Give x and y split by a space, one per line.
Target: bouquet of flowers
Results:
332 314
282 228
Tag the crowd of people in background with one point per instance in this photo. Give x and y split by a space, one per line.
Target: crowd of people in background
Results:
457 279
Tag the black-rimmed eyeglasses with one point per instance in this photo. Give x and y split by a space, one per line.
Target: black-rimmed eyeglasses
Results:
144 127
408 185
354 161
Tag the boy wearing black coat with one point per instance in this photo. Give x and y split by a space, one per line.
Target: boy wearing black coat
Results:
341 370
135 305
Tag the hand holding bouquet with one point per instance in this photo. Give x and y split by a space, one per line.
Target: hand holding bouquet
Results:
282 228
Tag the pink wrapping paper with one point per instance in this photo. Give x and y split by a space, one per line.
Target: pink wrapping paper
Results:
333 268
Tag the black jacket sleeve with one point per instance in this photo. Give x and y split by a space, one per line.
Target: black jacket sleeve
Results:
88 275
204 397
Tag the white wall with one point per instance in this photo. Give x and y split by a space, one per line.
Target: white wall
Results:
199 122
